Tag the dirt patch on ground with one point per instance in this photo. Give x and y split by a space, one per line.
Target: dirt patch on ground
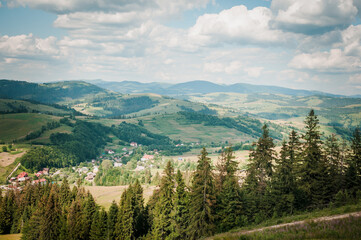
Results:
6 158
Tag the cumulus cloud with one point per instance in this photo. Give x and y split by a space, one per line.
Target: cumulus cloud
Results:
313 17
333 61
220 67
28 45
237 25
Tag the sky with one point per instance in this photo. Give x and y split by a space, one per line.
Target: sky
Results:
301 44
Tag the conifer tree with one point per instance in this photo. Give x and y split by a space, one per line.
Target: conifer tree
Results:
230 211
98 230
32 229
334 162
180 209
75 221
284 183
353 173
125 221
162 213
112 219
202 198
314 180
259 173
65 193
51 224
7 209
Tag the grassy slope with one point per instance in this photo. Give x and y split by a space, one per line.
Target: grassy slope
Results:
9 104
236 233
175 127
343 110
17 125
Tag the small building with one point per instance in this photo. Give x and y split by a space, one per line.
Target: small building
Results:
23 179
147 157
22 175
95 169
90 176
38 174
125 149
46 171
116 164
139 168
41 181
133 144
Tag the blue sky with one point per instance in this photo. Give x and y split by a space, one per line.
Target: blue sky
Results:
304 44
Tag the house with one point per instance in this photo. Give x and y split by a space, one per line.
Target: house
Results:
38 174
46 171
147 157
116 164
125 149
22 175
130 152
42 181
12 179
95 169
23 179
133 144
139 168
90 176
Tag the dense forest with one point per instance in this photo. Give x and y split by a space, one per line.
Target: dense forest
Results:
308 173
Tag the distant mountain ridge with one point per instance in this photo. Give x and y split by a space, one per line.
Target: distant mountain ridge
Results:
200 87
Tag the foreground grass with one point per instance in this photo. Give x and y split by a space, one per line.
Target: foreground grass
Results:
234 234
10 237
345 228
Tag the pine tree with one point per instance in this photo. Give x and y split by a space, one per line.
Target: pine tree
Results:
75 221
353 174
51 220
230 212
162 213
284 183
314 180
140 223
7 209
89 209
65 193
32 229
125 221
334 162
202 198
259 173
112 219
98 230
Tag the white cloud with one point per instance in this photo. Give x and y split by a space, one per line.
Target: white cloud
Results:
313 16
333 61
237 25
28 45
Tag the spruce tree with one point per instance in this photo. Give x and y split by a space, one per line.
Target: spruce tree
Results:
98 230
259 173
202 198
353 172
314 180
180 209
112 219
334 162
162 213
51 224
7 209
284 183
230 212
76 225
124 228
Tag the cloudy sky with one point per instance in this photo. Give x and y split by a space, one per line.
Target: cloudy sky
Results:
307 44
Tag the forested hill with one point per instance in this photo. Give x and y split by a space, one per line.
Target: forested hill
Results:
48 92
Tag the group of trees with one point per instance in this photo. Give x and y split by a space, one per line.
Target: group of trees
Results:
48 126
308 173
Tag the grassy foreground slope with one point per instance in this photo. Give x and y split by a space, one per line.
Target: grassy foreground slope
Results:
330 223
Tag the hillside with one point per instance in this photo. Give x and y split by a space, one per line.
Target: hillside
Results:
92 100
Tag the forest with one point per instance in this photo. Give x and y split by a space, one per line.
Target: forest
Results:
307 174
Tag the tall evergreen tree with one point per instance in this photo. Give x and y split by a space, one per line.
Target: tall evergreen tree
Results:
180 209
98 230
284 182
202 197
259 173
162 214
230 212
112 219
75 221
314 180
353 173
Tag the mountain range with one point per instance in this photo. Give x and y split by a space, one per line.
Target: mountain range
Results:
200 87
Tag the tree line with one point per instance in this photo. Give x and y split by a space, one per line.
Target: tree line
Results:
308 173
